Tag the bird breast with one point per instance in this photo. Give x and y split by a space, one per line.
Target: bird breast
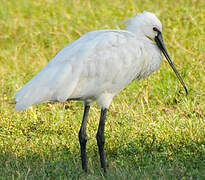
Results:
151 60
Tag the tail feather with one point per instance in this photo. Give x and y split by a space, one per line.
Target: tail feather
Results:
51 84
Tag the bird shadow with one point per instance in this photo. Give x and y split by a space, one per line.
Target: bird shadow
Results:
62 163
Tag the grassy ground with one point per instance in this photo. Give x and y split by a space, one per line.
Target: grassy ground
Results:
153 130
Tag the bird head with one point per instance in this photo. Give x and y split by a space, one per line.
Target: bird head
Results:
147 25
143 24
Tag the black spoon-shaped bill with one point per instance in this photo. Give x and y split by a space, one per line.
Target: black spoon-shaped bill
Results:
161 45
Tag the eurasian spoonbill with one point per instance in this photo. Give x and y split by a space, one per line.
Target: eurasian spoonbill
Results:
96 67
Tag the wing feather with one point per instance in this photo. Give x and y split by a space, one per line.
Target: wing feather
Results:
78 67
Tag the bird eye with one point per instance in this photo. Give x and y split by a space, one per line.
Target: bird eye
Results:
155 29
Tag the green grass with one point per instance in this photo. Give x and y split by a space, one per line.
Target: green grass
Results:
153 130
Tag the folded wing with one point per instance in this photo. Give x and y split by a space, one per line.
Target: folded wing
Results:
63 74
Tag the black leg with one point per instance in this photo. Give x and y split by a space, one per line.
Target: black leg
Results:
83 138
101 138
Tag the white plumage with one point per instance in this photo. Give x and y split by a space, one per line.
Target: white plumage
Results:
97 66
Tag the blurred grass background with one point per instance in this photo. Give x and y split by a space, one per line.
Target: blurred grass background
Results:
153 130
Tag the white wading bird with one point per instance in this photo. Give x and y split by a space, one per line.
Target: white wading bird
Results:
96 67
